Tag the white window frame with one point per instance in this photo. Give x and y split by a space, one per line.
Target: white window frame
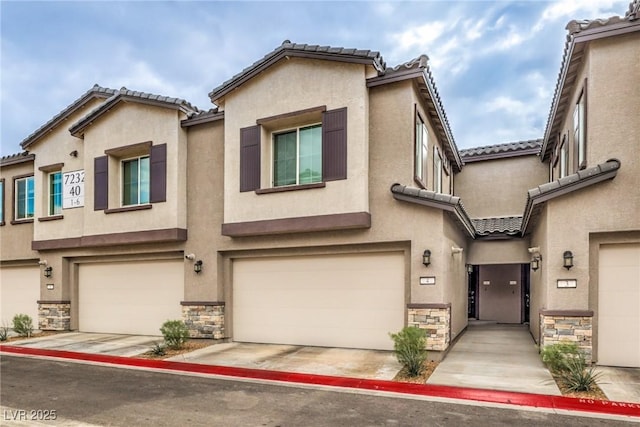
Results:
273 153
421 151
437 170
579 131
122 163
26 200
51 208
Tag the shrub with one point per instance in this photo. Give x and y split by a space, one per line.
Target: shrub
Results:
4 332
23 325
158 349
409 347
556 356
577 377
175 333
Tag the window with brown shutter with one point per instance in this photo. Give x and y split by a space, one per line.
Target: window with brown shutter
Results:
101 183
250 158
334 145
158 172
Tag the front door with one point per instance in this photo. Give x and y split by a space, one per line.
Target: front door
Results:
500 293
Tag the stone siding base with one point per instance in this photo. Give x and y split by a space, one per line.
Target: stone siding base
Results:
204 320
54 316
435 319
564 327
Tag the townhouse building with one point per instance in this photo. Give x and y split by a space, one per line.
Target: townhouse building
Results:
324 202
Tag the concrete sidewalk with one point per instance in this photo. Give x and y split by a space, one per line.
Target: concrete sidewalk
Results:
496 357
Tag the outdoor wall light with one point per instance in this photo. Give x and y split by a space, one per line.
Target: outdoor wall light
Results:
426 257
48 271
74 153
535 262
568 259
469 268
197 266
456 250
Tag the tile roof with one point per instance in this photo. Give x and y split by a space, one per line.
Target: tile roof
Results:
501 225
287 48
129 95
450 204
418 68
536 197
96 91
580 32
510 149
200 117
511 226
13 159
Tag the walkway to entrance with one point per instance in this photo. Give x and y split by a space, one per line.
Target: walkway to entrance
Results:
498 357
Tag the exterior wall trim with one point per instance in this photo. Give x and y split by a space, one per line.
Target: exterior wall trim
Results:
567 313
133 237
213 303
430 305
346 221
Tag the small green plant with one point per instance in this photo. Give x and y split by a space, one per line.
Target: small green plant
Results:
175 333
577 376
4 332
556 356
158 349
23 325
409 347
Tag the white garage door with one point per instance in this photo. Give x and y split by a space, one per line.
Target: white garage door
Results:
351 301
20 293
619 306
129 297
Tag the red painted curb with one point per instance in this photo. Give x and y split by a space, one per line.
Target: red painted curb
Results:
480 395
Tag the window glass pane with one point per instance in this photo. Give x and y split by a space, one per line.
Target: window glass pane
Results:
284 159
130 182
144 180
31 197
425 153
25 198
55 193
418 148
310 155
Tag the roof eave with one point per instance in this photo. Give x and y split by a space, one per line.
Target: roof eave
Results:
17 159
36 136
503 155
217 94
202 119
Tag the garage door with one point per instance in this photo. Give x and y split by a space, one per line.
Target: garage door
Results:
349 301
130 297
20 293
619 306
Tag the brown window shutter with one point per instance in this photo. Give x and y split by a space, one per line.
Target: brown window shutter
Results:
334 145
101 183
250 158
158 173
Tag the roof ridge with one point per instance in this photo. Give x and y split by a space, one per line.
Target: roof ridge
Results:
95 91
503 144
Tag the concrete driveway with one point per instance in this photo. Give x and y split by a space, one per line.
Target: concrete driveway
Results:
341 362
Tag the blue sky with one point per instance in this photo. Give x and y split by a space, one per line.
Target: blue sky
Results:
495 62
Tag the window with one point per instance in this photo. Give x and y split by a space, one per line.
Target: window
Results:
421 151
564 157
55 193
437 171
25 197
1 201
297 156
579 134
135 181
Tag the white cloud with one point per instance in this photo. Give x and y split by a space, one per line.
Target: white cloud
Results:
420 37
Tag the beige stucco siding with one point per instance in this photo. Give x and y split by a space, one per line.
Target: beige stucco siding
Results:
205 178
497 188
293 85
512 251
125 125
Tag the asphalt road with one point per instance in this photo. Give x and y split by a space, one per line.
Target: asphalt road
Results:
32 390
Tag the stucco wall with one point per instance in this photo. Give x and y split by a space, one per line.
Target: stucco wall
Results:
127 124
512 251
292 85
15 239
496 188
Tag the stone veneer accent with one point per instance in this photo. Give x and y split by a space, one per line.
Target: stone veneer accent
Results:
204 319
54 315
567 325
435 319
